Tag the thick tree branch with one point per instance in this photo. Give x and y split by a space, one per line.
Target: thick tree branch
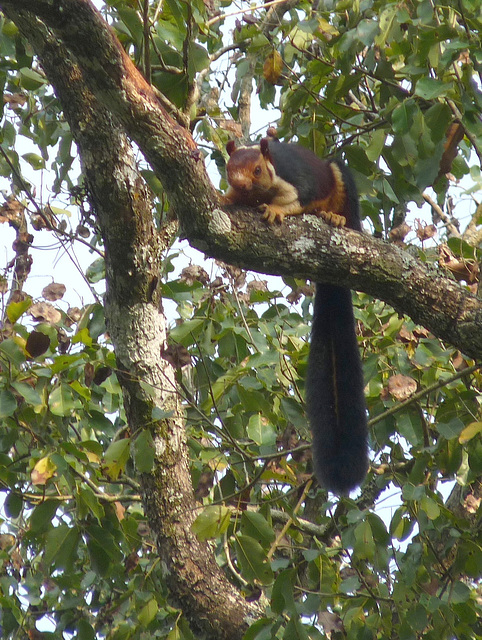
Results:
306 247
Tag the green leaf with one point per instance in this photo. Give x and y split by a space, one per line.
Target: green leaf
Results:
60 212
42 515
261 431
386 19
13 505
34 160
184 331
388 191
81 390
8 404
402 117
412 492
212 522
401 525
350 585
254 524
148 612
376 144
222 385
62 401
83 336
451 429
437 119
252 559
177 14
460 592
116 457
282 594
106 540
90 503
462 248
84 630
417 617
410 426
13 352
364 543
16 309
143 452
295 630
132 21
260 630
198 58
96 271
430 507
366 31
179 291
160 414
430 88
61 546
301 38
379 530
31 80
471 5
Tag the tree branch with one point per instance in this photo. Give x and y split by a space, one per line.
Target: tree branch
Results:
304 247
307 247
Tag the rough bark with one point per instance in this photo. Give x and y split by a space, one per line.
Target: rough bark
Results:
137 327
307 247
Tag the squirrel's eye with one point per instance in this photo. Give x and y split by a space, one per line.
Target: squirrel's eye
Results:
257 171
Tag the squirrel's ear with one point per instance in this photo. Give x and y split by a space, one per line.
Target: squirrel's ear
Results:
263 145
230 147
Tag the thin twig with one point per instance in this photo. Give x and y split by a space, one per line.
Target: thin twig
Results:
291 521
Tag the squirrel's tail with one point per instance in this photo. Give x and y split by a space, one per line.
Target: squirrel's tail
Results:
334 393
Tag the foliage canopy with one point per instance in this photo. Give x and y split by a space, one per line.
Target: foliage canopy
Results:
394 87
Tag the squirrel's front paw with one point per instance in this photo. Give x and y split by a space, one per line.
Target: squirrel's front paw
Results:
271 214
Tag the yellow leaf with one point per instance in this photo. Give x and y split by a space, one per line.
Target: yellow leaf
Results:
470 431
92 457
43 471
326 29
272 68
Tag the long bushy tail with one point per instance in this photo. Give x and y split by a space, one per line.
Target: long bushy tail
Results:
335 398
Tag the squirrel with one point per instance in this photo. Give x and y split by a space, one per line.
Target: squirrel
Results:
282 179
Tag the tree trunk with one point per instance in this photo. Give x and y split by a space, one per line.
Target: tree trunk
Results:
136 324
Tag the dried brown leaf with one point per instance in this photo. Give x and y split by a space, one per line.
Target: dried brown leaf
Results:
45 312
401 387
54 291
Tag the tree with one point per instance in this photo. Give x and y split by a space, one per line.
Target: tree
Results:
157 482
